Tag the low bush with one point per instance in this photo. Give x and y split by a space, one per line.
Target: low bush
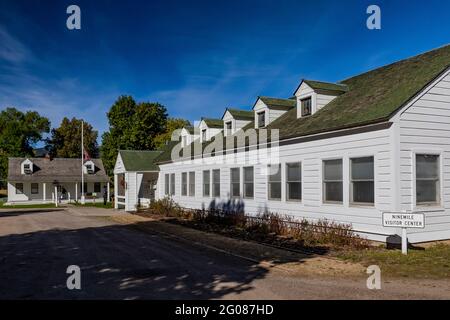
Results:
266 225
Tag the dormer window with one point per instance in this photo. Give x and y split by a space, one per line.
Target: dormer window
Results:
204 135
306 105
261 119
90 167
228 128
27 167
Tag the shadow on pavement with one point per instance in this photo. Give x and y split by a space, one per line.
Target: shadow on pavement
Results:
118 263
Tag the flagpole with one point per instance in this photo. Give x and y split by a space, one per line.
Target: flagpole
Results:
82 163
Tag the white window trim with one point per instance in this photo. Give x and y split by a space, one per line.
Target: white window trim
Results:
282 187
427 207
286 182
344 202
350 196
243 183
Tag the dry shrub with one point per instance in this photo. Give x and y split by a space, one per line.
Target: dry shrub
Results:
305 232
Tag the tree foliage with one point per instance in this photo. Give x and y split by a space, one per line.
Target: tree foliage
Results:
171 125
65 141
132 126
19 131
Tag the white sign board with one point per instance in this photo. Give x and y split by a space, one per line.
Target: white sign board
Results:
403 220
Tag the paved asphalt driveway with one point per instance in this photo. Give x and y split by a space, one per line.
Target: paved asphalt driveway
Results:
118 262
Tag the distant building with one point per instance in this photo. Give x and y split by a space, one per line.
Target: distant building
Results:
39 180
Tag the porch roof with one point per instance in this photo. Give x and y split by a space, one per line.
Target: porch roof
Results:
136 160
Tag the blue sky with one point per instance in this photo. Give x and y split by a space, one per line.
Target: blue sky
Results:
196 57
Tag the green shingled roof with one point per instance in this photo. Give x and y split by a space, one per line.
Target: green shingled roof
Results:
240 114
134 160
372 97
213 123
325 86
279 104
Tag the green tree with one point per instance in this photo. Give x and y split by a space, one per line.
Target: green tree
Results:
131 126
19 131
65 141
171 125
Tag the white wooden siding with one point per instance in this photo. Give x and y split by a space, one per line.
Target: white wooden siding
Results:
311 154
425 128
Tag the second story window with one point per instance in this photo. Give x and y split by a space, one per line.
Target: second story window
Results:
228 128
204 135
306 105
261 119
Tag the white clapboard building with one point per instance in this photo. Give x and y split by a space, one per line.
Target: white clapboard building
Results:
347 151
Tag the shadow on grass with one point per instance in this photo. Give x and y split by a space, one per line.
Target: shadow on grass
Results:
118 262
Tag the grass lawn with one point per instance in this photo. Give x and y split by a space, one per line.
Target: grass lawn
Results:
433 262
27 206
108 205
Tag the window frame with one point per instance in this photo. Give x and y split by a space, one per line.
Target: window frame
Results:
172 184
21 189
167 184
191 188
214 184
99 186
247 182
302 101
234 182
184 184
324 201
439 189
258 114
229 131
37 188
351 180
204 135
269 183
204 184
294 181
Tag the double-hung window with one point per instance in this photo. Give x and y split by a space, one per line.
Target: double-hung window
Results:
206 183
332 181
362 180
306 105
172 184
248 182
274 190
216 183
235 185
261 119
167 184
19 188
294 181
228 128
192 184
427 180
35 188
184 185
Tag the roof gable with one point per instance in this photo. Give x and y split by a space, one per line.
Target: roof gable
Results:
277 103
239 114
